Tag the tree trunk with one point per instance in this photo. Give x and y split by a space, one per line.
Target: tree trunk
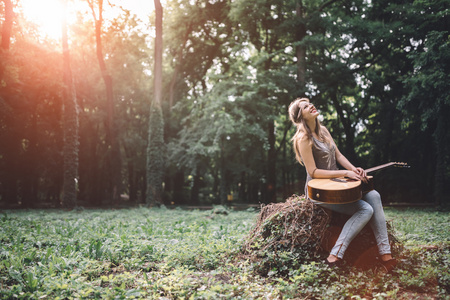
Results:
6 36
90 184
242 194
195 190
223 178
7 25
113 153
158 52
132 184
271 165
177 68
10 178
10 140
29 164
439 137
155 157
132 176
348 129
155 148
71 125
178 187
300 49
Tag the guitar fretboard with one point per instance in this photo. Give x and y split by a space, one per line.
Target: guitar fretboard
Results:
385 166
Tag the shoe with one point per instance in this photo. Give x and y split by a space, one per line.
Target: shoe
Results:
389 265
335 264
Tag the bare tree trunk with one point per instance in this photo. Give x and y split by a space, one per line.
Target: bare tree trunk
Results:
29 169
70 124
348 129
177 68
439 137
300 49
158 53
132 176
10 140
114 159
6 35
155 148
195 191
271 165
7 25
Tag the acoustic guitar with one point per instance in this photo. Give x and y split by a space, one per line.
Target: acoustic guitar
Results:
343 190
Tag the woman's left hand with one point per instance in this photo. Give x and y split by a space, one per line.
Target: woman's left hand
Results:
361 172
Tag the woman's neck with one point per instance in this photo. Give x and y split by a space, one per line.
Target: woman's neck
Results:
312 125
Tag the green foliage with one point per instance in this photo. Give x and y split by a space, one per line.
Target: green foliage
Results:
223 133
153 253
420 226
85 253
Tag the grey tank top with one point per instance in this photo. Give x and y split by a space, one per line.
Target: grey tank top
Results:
324 157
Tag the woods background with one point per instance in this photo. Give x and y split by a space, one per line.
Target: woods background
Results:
378 71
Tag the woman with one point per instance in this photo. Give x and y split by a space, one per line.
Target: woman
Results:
315 149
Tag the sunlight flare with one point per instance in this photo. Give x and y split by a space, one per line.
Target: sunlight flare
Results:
47 14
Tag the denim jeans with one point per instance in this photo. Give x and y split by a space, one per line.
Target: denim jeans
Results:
369 209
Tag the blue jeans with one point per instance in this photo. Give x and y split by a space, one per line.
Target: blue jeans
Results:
368 210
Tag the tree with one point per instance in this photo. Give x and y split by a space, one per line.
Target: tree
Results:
70 125
375 69
264 22
429 91
197 37
6 34
9 151
128 56
114 158
155 150
223 140
30 120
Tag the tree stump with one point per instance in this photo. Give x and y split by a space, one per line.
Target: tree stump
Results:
306 231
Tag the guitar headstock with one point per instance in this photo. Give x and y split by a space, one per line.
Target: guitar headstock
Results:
401 165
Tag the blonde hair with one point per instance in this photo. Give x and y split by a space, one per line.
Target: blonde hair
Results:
303 130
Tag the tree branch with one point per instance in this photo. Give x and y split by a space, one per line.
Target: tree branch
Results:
326 4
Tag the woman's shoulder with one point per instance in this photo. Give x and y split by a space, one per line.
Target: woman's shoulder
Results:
325 131
302 136
304 139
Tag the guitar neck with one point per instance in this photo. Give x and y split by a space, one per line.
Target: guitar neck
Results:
380 167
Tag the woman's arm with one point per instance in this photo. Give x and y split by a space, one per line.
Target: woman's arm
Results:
355 173
359 173
310 164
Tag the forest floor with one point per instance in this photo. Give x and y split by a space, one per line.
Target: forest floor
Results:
161 253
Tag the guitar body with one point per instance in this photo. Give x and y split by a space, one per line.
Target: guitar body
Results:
338 190
343 190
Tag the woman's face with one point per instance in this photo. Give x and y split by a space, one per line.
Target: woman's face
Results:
309 111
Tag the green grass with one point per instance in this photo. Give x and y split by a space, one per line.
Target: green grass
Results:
175 254
420 226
